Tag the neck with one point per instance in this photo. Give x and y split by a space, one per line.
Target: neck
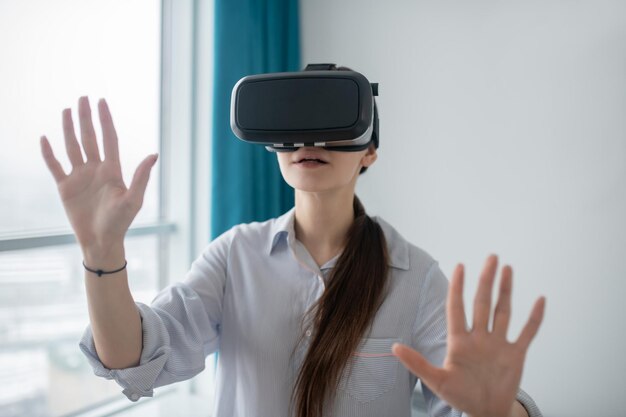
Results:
322 221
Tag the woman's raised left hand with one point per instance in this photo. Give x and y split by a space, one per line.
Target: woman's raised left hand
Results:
482 370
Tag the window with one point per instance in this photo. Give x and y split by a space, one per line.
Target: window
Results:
52 53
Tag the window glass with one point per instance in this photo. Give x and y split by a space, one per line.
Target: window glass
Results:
52 53
43 313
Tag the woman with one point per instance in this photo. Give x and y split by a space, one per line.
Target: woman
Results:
310 311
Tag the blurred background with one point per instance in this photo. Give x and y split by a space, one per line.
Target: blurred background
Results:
502 130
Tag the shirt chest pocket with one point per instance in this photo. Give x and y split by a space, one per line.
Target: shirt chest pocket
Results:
371 371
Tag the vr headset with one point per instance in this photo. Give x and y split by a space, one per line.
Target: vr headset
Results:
320 106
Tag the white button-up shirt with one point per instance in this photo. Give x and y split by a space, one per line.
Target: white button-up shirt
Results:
246 295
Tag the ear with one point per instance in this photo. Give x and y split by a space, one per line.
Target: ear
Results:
370 156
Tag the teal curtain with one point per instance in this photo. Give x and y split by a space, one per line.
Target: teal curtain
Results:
251 37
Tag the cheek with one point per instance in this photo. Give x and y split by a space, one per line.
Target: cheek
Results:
348 162
284 164
282 161
345 172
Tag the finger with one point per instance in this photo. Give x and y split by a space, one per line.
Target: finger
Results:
109 135
87 133
457 323
432 376
53 165
502 314
140 178
482 300
71 144
532 326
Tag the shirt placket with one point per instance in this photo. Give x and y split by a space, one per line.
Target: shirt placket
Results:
317 287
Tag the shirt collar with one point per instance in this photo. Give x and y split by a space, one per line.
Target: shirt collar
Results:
283 227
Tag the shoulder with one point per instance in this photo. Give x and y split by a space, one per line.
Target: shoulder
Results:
256 233
253 230
405 255
241 238
245 232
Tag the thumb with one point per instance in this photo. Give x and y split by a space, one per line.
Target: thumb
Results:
418 365
140 178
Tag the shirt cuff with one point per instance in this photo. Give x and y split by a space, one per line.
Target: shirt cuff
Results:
528 403
136 381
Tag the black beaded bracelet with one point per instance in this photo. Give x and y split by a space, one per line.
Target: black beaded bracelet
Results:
100 272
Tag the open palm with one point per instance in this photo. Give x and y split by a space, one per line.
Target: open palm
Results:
99 206
482 370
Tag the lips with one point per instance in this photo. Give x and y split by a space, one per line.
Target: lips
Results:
319 161
310 157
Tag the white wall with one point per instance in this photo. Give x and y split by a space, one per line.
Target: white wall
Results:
503 129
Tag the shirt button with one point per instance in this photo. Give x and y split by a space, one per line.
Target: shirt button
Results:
308 333
134 397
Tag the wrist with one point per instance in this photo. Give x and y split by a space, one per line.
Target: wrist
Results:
106 258
518 410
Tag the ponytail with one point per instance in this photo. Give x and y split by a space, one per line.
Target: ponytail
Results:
343 314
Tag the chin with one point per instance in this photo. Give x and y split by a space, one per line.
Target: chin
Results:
309 186
315 182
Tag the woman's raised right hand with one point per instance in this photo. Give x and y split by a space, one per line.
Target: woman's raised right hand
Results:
98 205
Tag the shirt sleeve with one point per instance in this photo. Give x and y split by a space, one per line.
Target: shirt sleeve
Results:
429 338
179 329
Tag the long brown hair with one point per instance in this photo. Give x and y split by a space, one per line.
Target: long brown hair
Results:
343 314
